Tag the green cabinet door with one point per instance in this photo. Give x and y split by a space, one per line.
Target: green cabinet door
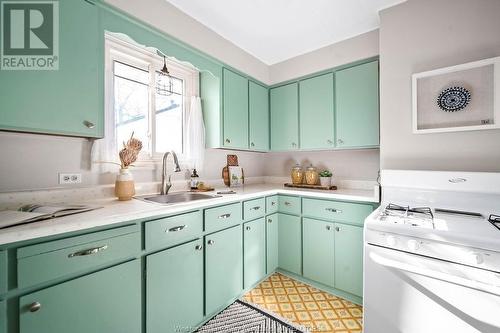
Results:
349 258
258 108
235 110
106 301
319 238
357 106
285 117
254 252
316 112
174 288
61 101
223 268
272 243
290 243
3 317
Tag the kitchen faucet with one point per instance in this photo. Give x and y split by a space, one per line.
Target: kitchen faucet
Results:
165 187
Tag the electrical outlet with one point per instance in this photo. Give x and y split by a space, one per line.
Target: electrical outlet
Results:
70 178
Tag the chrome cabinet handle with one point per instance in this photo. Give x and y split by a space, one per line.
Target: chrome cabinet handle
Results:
273 203
333 210
269 221
198 247
228 141
211 242
252 144
337 229
88 124
255 208
330 142
328 227
340 141
287 203
294 144
88 251
178 228
224 216
248 228
35 306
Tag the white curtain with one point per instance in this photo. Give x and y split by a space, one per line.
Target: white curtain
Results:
195 141
105 150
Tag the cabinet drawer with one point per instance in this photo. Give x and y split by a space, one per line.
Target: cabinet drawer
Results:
336 211
272 204
46 261
173 230
289 205
253 209
222 217
3 272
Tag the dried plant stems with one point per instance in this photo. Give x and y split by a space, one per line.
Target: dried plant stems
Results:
130 151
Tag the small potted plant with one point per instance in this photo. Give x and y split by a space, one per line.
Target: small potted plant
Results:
325 178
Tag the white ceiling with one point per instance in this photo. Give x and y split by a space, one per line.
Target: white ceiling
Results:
276 30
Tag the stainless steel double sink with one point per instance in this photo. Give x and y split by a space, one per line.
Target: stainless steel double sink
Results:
173 198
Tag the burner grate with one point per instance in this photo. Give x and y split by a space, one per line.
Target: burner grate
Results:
495 220
419 210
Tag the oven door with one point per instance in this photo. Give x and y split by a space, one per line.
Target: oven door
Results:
414 294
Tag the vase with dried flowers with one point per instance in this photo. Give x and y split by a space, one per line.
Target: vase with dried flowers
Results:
124 185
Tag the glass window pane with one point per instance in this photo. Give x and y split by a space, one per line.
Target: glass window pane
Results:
131 111
169 120
130 72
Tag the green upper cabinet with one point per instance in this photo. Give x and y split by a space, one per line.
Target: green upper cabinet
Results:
285 117
235 110
254 251
106 301
67 101
318 238
349 258
316 112
357 106
258 105
174 274
223 268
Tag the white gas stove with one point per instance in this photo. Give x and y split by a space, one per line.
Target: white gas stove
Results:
432 254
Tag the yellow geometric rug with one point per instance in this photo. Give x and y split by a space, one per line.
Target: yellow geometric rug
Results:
306 305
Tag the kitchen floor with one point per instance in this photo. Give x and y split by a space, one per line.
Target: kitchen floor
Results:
306 305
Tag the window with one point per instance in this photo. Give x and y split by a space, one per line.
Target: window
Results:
134 106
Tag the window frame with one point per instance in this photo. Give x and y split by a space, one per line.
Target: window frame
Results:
128 53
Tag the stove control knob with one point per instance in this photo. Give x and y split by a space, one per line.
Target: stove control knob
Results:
477 258
391 241
413 245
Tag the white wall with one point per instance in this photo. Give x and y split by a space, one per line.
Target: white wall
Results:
345 164
32 161
357 48
421 35
167 18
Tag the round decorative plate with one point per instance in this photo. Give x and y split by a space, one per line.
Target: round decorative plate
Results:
453 99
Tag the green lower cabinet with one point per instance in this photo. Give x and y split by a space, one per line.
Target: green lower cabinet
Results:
349 258
223 268
3 317
319 251
254 251
106 301
174 288
290 243
272 243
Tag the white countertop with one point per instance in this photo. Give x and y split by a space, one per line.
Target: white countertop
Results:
114 211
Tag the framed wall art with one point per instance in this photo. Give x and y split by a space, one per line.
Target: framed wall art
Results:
465 97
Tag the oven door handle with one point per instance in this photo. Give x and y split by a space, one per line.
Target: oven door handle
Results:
397 265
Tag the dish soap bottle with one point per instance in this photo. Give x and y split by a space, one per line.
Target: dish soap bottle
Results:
195 180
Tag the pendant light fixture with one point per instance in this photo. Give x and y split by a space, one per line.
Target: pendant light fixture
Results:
164 84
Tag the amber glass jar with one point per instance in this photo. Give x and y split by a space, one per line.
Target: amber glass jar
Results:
312 176
297 174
